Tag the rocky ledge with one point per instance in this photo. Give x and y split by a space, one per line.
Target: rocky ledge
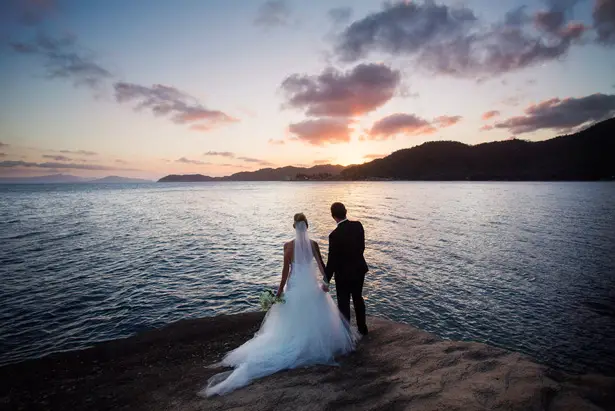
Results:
395 367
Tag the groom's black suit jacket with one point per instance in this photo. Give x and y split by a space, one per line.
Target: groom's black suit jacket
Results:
345 260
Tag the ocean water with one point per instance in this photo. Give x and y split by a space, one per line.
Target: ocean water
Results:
525 266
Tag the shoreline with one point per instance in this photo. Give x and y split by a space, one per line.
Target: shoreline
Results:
396 367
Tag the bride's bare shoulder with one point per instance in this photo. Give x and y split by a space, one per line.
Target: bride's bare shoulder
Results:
289 244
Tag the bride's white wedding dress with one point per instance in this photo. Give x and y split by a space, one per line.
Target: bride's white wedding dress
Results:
307 329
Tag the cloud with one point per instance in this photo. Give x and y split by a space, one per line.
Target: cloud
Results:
3 144
2 154
374 156
168 101
79 152
490 114
402 28
400 123
451 41
276 142
322 131
486 128
553 19
64 59
60 166
273 13
340 15
256 161
323 161
120 161
56 158
27 12
604 21
446 121
342 94
561 115
184 160
227 154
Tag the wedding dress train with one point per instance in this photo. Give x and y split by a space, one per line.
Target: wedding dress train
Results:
307 329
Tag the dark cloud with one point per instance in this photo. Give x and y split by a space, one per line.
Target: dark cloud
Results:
451 41
340 15
604 21
2 154
168 101
227 154
323 161
255 161
342 94
322 131
64 59
276 142
26 12
79 152
3 144
56 158
554 18
185 160
400 123
561 115
402 28
490 114
273 13
59 166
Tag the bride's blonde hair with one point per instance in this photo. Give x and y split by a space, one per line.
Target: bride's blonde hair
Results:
300 217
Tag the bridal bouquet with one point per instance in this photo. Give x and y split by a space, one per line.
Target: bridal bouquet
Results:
268 298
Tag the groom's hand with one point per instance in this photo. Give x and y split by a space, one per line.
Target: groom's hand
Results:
325 287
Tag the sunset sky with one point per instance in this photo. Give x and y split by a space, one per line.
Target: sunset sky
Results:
149 88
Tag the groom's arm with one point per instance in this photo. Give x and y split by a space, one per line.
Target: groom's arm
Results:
331 258
362 237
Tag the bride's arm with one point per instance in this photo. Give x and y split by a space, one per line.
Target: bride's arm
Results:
319 260
285 269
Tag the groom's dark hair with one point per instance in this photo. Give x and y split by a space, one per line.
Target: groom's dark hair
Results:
338 210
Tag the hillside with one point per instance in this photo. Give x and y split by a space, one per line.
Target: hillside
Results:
585 156
288 173
285 173
184 178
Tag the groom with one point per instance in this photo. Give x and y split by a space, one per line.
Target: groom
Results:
346 262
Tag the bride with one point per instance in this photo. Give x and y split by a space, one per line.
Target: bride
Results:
307 329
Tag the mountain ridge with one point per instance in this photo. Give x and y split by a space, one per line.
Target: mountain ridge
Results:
588 155
287 173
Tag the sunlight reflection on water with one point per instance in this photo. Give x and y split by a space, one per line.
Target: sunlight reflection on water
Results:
527 266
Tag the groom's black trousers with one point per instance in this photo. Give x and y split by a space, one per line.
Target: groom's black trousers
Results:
353 289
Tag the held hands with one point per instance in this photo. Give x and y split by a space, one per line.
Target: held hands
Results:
324 287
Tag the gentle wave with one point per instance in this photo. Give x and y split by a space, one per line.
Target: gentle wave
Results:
525 266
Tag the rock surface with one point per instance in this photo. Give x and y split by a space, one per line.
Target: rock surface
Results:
395 367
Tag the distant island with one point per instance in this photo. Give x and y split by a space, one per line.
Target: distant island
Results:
289 173
588 155
117 179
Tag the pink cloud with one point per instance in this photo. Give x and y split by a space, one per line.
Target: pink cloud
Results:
490 114
322 131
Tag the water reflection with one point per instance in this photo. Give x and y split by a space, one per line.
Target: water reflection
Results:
528 266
